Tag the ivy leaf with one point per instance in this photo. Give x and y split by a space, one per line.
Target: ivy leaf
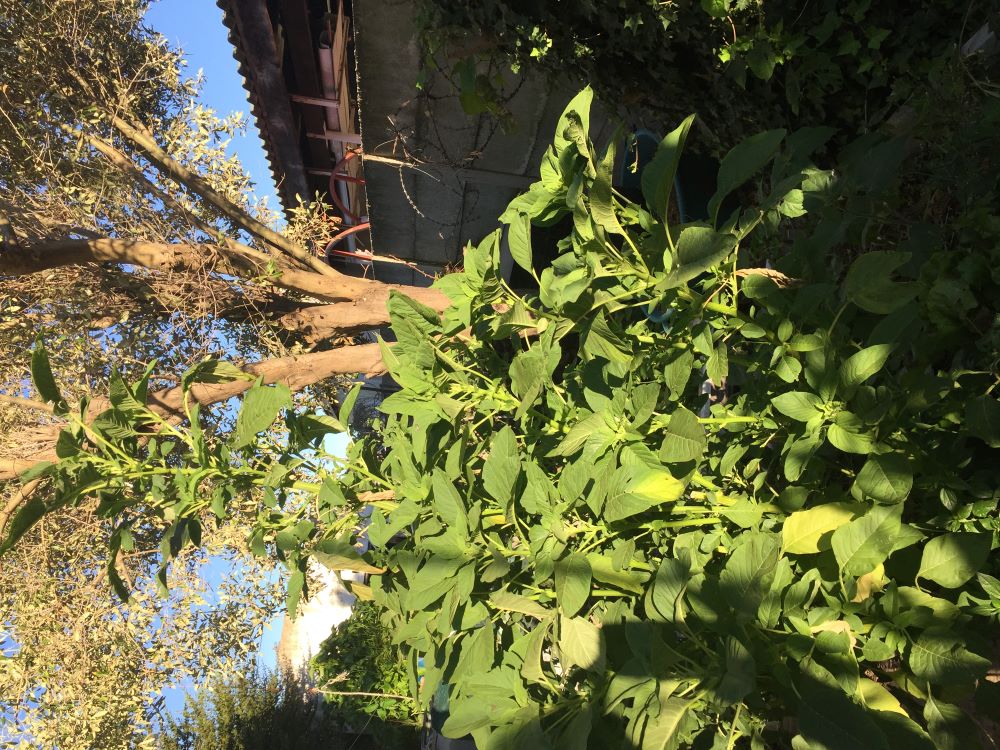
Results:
573 579
886 478
798 405
658 176
862 365
867 541
581 644
740 164
685 438
939 657
953 559
261 405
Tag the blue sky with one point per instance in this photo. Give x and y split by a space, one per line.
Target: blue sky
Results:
196 27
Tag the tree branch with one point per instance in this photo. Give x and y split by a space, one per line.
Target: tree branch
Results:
26 403
194 182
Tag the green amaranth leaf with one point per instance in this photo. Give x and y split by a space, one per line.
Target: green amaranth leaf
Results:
867 541
798 405
939 657
953 559
573 577
807 532
519 240
581 643
982 417
261 405
658 175
684 438
870 287
41 376
502 466
741 163
860 366
886 478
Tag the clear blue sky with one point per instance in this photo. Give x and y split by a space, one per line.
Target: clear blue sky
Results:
196 27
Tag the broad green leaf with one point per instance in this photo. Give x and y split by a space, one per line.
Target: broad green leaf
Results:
949 726
740 676
849 441
336 555
867 541
296 582
953 559
939 657
519 241
658 176
502 466
511 602
347 405
532 669
877 698
698 250
580 105
638 488
678 373
213 371
798 405
685 438
667 587
468 715
41 376
830 720
807 532
860 366
26 517
261 405
581 644
740 164
747 575
448 503
982 417
573 578
886 478
662 730
869 284
603 570
602 204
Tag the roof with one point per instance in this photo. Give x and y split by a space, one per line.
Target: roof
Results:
435 177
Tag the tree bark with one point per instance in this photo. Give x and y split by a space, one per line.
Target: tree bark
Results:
361 295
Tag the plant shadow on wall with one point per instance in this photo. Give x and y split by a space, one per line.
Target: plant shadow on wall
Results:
723 484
